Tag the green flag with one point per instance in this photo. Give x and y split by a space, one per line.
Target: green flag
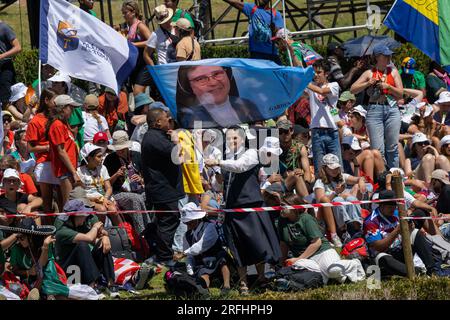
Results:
444 31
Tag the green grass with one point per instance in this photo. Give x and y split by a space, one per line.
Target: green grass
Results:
17 17
422 288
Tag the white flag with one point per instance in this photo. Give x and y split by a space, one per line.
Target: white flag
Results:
82 46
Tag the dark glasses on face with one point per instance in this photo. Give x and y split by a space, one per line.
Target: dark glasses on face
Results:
284 131
423 143
8 119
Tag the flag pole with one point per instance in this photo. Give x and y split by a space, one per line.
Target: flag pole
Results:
39 77
285 33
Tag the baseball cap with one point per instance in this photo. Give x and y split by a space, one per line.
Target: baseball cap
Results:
91 101
331 161
64 100
387 195
352 141
182 24
100 136
444 97
383 49
11 173
281 33
409 65
419 137
110 90
440 175
87 149
284 124
445 140
359 110
347 95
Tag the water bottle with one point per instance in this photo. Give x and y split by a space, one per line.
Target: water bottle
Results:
134 186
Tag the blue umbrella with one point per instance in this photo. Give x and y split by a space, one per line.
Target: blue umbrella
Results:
362 46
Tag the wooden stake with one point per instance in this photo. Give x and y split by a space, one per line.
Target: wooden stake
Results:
397 186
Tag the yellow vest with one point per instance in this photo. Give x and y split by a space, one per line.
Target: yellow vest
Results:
190 167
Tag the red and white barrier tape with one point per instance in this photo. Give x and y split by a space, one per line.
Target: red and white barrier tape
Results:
427 218
239 210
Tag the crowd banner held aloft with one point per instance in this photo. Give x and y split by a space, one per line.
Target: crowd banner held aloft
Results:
426 24
225 92
81 45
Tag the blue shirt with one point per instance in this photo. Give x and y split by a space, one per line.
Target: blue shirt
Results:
377 227
265 17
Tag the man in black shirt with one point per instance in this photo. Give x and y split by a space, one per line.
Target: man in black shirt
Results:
9 46
163 179
440 185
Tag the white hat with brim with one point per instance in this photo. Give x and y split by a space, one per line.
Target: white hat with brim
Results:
445 140
331 161
352 141
428 109
272 145
419 137
18 91
11 173
61 77
120 141
359 110
444 97
191 212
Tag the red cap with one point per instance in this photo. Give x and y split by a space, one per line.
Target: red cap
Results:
100 136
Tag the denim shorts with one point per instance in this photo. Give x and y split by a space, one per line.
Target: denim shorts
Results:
65 176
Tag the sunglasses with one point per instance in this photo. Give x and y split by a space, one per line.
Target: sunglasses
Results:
8 119
284 131
423 143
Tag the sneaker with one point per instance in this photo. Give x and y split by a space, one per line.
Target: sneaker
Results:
114 291
225 291
33 294
336 241
145 273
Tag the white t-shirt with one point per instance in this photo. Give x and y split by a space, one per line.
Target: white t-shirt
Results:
94 180
160 42
91 125
329 188
321 106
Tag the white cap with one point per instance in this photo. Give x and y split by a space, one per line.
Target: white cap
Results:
419 137
360 110
61 77
445 140
352 141
87 149
423 105
272 145
18 91
402 173
191 212
282 33
444 97
365 145
64 100
331 161
11 173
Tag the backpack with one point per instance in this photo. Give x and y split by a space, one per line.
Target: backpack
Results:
120 243
261 31
355 249
440 247
198 24
182 285
293 279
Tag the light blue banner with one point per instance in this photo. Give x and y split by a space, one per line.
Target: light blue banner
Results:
226 92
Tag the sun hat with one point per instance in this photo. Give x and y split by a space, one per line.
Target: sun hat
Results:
80 194
29 226
141 100
359 110
331 161
272 145
409 65
444 97
100 136
445 140
18 91
60 77
182 24
423 105
11 173
87 149
120 141
347 95
352 141
440 175
78 205
419 137
191 212
162 14
284 124
91 102
383 49
64 100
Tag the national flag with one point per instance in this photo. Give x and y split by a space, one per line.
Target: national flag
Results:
426 24
79 44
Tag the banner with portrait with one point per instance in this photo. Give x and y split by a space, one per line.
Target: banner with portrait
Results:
219 93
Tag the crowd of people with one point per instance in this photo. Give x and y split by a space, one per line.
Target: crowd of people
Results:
110 161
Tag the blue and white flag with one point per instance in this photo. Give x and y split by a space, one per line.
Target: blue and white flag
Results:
82 46
215 93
